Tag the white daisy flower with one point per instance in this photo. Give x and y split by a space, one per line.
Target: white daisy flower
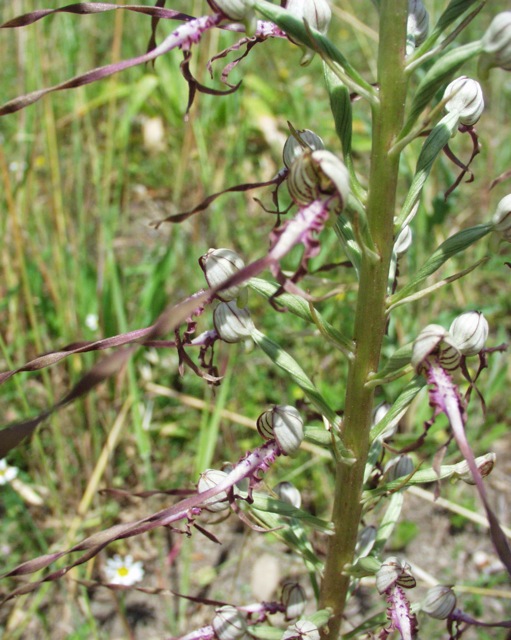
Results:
122 570
92 321
7 473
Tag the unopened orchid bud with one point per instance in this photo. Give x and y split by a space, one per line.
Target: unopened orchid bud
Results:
316 13
293 148
293 598
301 630
241 10
502 218
439 602
467 100
470 332
218 266
417 25
393 571
435 343
496 44
287 492
209 479
403 241
318 175
484 465
284 424
398 468
232 323
229 623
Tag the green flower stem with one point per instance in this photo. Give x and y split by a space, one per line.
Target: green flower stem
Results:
370 319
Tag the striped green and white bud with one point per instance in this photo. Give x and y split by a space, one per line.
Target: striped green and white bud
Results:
496 44
317 175
284 424
229 623
435 343
502 218
417 25
218 266
240 10
287 492
293 148
301 630
232 323
317 14
439 602
470 332
484 465
403 241
464 97
399 467
209 479
294 599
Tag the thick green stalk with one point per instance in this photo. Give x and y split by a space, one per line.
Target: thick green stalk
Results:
370 319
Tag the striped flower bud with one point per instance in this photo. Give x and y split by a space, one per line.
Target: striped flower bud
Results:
209 479
317 175
232 323
484 465
301 630
294 148
403 241
287 492
417 25
398 468
435 343
316 13
242 10
497 43
470 332
394 572
467 100
439 602
293 598
284 424
502 218
229 623
218 266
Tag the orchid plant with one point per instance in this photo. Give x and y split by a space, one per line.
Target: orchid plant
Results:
418 100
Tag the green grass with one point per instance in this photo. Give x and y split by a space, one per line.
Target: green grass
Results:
79 190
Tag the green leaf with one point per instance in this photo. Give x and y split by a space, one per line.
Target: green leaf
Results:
389 521
437 75
432 147
344 232
293 370
272 505
300 307
452 246
340 104
455 9
399 359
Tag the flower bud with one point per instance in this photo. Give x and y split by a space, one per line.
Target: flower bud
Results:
502 217
394 571
365 541
484 464
470 332
497 43
218 266
439 602
209 479
467 100
284 424
242 10
316 175
294 600
435 342
229 623
301 630
398 468
316 13
232 323
294 148
287 492
403 241
417 25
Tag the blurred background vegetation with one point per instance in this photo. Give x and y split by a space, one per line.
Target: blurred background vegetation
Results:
84 173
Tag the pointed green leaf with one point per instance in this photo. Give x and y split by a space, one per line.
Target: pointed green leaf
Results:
400 406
